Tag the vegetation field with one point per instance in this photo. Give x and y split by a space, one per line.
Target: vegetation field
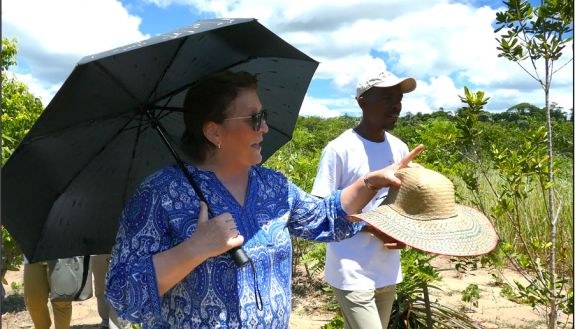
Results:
499 168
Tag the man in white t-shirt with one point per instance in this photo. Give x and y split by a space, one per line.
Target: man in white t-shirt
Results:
364 269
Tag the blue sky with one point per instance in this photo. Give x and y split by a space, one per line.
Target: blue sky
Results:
444 44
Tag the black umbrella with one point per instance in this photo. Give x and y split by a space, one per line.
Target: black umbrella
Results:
66 184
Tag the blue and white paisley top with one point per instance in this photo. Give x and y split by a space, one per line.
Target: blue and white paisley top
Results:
217 294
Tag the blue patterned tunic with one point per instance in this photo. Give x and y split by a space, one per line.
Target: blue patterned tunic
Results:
217 294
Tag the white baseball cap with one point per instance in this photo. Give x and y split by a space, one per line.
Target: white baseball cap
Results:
385 79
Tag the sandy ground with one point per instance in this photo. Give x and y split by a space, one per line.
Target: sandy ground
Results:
310 312
492 311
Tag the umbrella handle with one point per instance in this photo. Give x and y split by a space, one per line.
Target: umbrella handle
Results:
239 256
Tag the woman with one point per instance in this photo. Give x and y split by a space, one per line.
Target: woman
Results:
170 267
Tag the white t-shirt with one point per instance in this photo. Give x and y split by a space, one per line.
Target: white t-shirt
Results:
361 262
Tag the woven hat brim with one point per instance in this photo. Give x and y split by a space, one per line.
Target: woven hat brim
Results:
469 233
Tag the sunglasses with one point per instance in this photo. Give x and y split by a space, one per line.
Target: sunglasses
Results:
256 119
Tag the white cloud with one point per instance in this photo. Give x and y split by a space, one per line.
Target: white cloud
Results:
445 45
59 33
37 88
52 36
345 72
430 96
327 107
314 107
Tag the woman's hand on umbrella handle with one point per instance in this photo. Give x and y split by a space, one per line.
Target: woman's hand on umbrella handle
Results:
218 234
212 237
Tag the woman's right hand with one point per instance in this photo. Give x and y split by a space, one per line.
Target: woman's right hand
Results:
212 237
217 235
386 177
357 195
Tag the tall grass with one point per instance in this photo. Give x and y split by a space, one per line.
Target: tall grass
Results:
533 218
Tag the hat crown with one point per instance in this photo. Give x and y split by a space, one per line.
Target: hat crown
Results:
384 79
424 194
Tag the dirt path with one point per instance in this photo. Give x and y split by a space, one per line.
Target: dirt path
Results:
310 312
493 310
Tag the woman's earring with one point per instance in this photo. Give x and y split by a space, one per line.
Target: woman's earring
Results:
219 145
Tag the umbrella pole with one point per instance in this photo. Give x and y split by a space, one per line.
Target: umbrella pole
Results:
238 255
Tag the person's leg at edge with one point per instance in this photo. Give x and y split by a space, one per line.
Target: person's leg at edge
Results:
116 322
358 308
110 318
99 270
36 292
384 298
62 314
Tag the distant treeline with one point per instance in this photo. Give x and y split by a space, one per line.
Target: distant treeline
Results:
505 129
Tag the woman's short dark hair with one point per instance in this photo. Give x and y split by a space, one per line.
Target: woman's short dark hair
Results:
207 100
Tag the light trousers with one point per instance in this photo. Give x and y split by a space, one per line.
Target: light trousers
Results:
36 296
366 309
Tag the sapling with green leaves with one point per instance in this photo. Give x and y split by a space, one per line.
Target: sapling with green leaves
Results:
520 175
535 38
471 295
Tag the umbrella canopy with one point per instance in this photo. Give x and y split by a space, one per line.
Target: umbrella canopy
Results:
66 184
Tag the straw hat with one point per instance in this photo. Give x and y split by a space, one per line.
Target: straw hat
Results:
422 213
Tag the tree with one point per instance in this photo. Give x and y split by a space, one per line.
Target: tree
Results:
20 109
556 112
536 37
529 111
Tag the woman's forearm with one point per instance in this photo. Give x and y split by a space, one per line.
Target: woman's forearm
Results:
175 264
356 196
